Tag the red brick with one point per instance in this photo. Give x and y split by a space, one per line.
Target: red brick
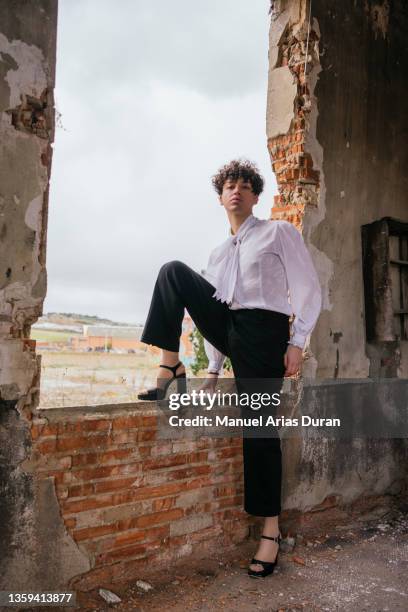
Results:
236 500
162 462
200 508
127 538
57 463
149 421
224 491
137 550
43 430
92 503
47 446
93 473
94 532
77 442
128 422
229 513
83 426
154 533
113 485
119 453
60 477
226 453
159 517
130 537
105 471
163 504
143 535
81 490
85 459
145 435
124 497
198 470
310 175
125 437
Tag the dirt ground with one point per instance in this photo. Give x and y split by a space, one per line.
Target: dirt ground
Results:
361 566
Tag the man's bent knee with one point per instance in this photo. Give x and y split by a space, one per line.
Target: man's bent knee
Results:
172 266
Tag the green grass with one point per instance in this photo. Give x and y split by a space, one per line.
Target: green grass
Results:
51 335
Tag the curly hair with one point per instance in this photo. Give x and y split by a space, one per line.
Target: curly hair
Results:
236 169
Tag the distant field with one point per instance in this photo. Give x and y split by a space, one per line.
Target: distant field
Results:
46 335
74 379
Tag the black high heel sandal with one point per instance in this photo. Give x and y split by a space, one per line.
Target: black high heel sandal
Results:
159 393
268 566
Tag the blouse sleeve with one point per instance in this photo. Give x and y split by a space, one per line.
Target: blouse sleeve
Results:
215 358
303 283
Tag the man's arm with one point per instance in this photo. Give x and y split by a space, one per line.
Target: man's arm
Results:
215 363
215 358
304 290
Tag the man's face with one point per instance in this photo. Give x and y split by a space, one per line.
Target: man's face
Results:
237 197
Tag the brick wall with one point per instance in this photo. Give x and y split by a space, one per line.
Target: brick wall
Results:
297 179
126 496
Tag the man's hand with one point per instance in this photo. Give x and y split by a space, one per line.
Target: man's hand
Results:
210 383
292 360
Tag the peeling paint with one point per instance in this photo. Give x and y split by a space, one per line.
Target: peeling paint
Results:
26 133
29 77
282 89
33 213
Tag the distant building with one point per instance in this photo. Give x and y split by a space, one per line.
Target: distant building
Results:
126 338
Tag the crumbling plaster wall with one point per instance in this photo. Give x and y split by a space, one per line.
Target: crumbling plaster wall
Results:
27 76
337 139
336 128
363 81
36 551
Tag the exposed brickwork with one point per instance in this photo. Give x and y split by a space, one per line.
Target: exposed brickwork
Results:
126 495
298 180
32 117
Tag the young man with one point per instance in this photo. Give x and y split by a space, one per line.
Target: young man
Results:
241 308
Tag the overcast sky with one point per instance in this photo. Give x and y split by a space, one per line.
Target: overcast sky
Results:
154 95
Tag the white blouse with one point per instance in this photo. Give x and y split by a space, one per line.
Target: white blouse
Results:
266 265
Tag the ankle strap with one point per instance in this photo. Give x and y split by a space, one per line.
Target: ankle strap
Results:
172 368
275 539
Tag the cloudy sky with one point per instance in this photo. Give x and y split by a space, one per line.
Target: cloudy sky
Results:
154 96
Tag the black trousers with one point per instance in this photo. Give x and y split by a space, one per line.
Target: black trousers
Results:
255 340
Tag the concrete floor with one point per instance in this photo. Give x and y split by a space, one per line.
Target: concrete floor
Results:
355 567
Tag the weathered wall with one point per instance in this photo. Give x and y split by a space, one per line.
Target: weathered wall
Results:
27 76
36 551
346 123
362 127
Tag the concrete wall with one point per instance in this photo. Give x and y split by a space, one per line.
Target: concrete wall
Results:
343 119
27 76
362 126
36 552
